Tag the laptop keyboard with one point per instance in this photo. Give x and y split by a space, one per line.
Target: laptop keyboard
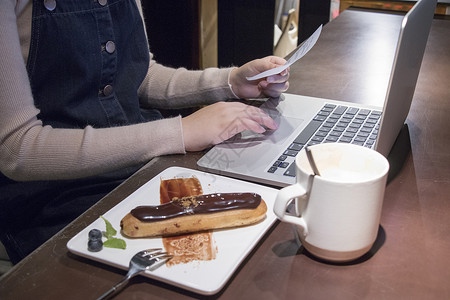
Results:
333 123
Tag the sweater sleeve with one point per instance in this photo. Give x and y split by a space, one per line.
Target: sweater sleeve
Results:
165 87
31 151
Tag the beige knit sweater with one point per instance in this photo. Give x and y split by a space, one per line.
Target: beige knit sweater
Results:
31 151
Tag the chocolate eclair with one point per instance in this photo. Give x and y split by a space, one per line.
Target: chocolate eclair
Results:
194 213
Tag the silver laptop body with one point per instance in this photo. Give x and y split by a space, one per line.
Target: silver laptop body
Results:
268 158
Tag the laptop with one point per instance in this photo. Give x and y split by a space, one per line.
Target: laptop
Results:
268 158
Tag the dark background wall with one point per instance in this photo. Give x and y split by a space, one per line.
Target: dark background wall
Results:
245 29
313 13
173 31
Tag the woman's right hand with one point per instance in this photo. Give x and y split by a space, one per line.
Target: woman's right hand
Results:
220 121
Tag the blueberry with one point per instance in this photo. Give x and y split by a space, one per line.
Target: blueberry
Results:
95 234
95 245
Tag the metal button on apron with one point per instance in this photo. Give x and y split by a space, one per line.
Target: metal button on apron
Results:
102 2
50 4
110 47
108 90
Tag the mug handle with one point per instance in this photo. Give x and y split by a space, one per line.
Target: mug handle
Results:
284 197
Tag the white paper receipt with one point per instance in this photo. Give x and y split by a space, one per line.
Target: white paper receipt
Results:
306 46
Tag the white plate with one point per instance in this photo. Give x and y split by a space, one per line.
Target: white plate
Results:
204 277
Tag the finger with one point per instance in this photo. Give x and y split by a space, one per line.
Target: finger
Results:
278 78
273 89
268 63
281 77
277 60
249 124
286 72
262 118
237 126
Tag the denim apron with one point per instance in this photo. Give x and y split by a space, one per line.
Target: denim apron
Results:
86 62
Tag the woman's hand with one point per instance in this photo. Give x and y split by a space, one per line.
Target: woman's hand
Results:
271 86
220 121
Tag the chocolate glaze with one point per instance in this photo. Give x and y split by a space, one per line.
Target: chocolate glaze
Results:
200 204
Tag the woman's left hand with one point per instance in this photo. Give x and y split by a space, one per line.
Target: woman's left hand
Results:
271 86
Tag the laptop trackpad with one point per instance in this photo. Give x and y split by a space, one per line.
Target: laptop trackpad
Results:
286 125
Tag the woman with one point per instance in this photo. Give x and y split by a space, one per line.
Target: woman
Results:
79 101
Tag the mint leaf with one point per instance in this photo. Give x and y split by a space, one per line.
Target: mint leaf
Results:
110 231
115 243
111 241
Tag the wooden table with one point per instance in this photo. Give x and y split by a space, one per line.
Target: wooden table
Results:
411 259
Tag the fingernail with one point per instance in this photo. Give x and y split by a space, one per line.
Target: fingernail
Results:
274 125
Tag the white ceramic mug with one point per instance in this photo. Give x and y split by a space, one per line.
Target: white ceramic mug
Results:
337 214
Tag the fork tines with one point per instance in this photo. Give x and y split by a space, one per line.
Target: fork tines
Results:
157 254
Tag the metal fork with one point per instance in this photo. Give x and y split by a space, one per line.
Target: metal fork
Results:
149 259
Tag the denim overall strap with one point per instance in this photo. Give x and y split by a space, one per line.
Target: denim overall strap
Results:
86 62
